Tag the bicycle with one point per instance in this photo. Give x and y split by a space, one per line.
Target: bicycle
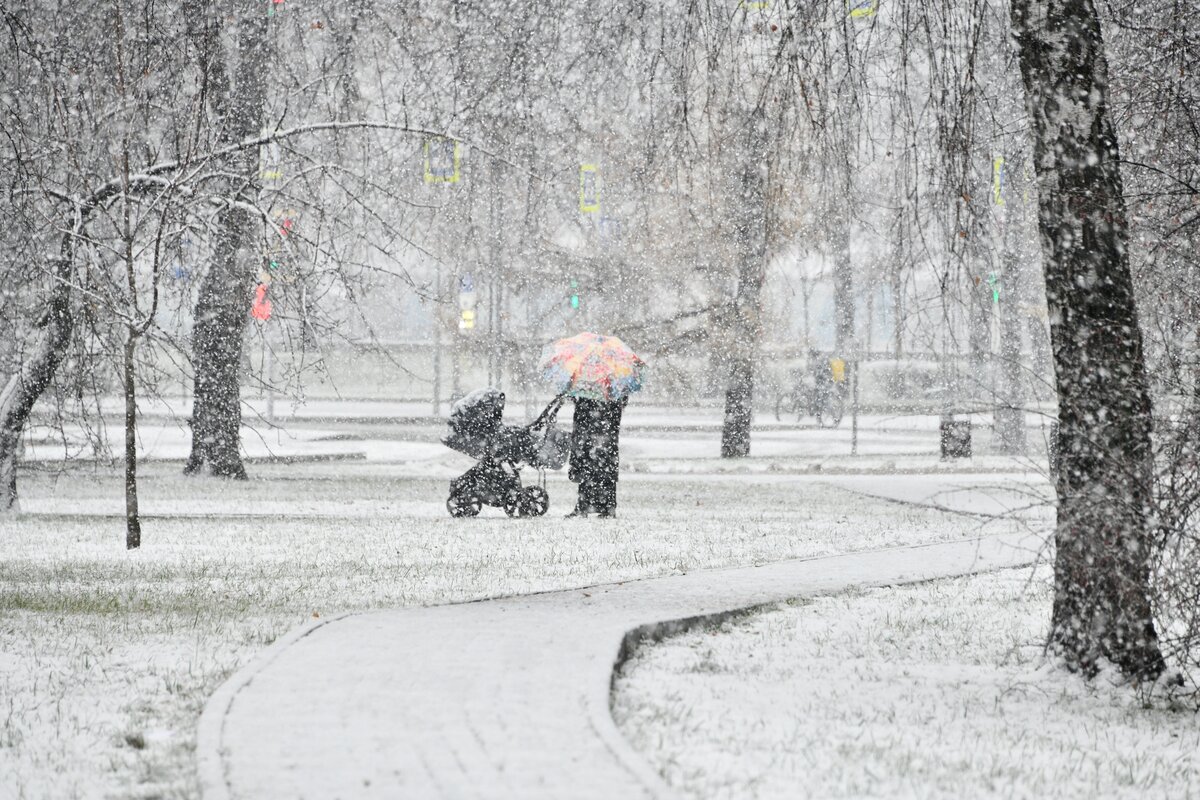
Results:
822 398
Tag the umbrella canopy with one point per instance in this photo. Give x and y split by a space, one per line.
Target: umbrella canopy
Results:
593 366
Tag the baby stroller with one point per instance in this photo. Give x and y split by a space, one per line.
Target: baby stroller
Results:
476 430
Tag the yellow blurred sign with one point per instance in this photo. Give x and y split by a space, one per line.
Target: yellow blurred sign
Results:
862 8
269 158
589 188
998 180
838 367
442 160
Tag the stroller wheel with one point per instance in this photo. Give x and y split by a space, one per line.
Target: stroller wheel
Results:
512 504
534 501
464 505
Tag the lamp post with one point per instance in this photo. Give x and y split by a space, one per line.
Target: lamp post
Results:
437 339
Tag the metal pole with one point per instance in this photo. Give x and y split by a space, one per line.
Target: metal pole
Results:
455 364
499 335
437 341
494 284
269 369
491 345
528 376
854 408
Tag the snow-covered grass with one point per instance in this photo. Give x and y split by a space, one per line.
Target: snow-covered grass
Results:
107 657
933 690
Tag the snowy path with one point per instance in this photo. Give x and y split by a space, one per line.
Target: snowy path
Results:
499 698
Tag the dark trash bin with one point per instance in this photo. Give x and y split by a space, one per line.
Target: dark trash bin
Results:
956 439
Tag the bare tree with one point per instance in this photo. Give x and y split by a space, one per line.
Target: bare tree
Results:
750 234
109 204
48 348
1103 540
222 308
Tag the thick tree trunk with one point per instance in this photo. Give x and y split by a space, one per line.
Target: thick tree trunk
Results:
750 233
223 304
25 386
221 313
1102 610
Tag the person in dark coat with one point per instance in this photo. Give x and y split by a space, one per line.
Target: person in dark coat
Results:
595 455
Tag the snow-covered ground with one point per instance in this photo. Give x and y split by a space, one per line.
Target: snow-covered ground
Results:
106 657
934 690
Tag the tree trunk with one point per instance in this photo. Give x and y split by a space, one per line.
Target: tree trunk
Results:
221 312
133 522
345 30
25 386
1009 416
843 275
897 284
979 319
1102 611
223 303
750 234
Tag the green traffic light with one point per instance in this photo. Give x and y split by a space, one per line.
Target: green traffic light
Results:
574 301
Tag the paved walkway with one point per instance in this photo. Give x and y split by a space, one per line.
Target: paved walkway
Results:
504 698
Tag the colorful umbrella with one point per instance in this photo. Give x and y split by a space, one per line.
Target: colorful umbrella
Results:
592 366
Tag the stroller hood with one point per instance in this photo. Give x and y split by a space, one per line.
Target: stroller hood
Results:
487 402
475 421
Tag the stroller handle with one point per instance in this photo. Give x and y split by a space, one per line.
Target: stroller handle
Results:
549 413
